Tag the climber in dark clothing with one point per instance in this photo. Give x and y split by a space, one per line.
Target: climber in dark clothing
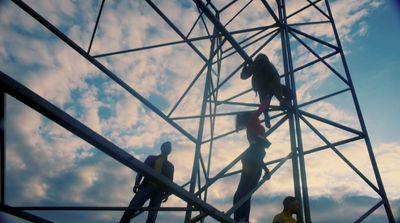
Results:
148 189
265 81
252 160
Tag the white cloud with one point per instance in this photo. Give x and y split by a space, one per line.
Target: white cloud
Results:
125 25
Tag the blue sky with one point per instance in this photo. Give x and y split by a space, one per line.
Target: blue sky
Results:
380 48
46 165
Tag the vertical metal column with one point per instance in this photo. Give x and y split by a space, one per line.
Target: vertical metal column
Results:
295 165
361 120
199 141
304 186
2 146
213 112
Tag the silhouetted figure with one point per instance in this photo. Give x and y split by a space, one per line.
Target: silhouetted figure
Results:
252 160
148 189
290 206
265 81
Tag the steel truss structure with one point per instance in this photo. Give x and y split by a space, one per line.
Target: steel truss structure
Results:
295 116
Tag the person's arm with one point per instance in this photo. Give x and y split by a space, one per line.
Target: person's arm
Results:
261 108
139 177
247 71
266 170
170 175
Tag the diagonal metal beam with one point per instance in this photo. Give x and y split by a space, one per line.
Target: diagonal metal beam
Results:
197 155
273 32
172 25
302 9
326 141
238 95
95 26
361 120
271 11
249 194
23 214
101 67
2 147
222 29
314 38
238 13
262 181
55 114
332 123
241 65
187 89
182 41
338 143
234 131
245 40
318 8
315 61
227 6
319 57
370 211
222 173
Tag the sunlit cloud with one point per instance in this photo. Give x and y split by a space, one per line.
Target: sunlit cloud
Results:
49 159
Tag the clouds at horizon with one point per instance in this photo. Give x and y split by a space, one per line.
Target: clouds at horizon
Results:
50 159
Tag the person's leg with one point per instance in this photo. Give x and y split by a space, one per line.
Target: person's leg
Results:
265 95
238 214
252 183
137 201
286 95
155 202
246 210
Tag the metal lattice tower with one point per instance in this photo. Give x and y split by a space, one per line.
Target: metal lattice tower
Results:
223 44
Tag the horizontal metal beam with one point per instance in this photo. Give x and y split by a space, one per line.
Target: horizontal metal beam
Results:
234 131
309 23
103 208
323 98
237 95
332 123
207 115
193 39
55 114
